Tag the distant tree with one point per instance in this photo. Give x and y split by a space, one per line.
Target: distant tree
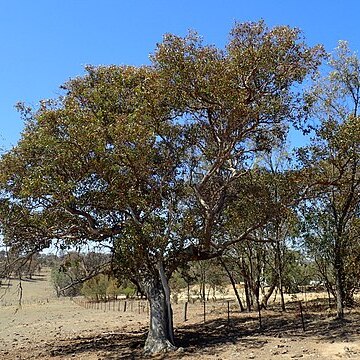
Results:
177 284
142 159
73 269
208 276
62 282
101 288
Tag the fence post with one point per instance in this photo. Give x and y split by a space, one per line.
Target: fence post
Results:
302 316
204 311
259 313
228 312
185 310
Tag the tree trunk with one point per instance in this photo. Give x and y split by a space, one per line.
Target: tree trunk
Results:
281 290
266 297
279 264
161 334
339 291
256 293
247 294
339 279
339 296
244 273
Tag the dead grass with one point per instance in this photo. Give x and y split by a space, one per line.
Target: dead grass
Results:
35 290
50 328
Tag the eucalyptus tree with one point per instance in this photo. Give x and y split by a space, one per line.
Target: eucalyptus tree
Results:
144 159
332 215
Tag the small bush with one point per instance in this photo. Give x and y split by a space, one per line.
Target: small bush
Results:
101 288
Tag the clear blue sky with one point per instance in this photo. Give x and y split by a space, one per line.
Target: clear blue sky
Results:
46 42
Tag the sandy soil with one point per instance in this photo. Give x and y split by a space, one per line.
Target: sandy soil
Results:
49 328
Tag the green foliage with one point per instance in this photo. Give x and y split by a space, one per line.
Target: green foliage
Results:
101 288
104 287
177 282
129 291
298 271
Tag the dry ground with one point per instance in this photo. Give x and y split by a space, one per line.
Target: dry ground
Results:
49 328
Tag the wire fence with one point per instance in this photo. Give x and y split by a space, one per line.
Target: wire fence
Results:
119 305
7 303
199 310
183 311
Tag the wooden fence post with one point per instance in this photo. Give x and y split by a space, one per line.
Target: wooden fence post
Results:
204 311
185 310
228 312
302 316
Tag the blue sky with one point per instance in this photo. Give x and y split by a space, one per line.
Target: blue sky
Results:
46 42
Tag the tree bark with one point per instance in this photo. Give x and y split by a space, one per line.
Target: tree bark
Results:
160 337
279 264
166 288
247 294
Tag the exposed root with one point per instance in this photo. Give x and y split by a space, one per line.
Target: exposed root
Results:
156 346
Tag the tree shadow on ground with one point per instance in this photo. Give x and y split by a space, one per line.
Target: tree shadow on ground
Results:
204 338
8 281
124 346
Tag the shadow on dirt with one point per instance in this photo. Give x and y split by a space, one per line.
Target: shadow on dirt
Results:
8 281
106 346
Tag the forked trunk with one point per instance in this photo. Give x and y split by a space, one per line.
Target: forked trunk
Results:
160 337
266 297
